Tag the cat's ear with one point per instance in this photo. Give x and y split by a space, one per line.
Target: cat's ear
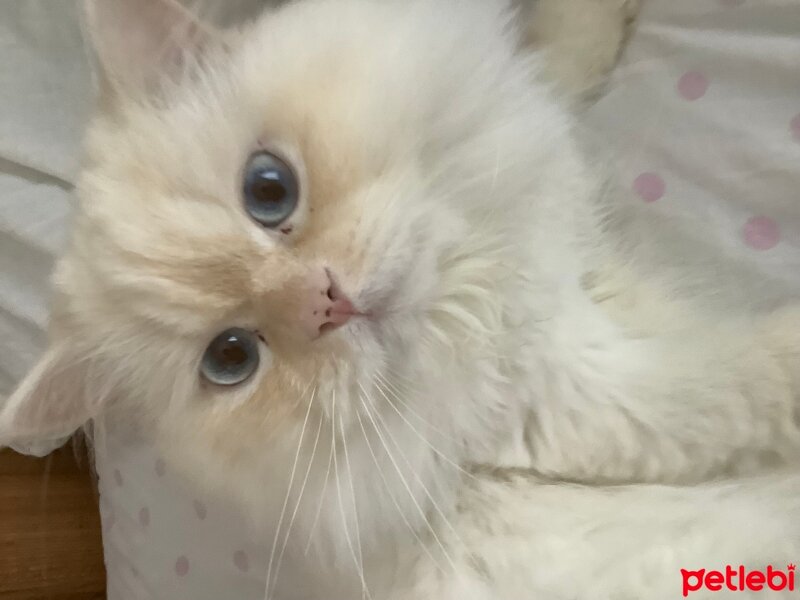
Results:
50 404
140 44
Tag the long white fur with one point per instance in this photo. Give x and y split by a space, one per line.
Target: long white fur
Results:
518 327
523 538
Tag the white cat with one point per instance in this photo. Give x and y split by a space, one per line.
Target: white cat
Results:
340 256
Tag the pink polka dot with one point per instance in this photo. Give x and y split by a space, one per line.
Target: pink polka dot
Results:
161 467
241 560
144 517
794 126
182 566
200 510
118 477
693 85
649 187
761 233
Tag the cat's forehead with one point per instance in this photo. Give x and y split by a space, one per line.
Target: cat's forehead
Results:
338 110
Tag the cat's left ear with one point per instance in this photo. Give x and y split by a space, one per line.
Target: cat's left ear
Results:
50 404
141 44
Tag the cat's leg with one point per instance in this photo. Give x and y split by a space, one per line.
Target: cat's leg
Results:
518 537
582 39
534 539
681 402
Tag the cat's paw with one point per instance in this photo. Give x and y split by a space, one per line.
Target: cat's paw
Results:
582 39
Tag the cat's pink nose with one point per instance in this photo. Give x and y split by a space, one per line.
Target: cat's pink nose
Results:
329 309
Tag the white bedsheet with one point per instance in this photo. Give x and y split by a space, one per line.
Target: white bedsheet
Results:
702 122
43 105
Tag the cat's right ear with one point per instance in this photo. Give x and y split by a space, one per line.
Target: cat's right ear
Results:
56 398
141 45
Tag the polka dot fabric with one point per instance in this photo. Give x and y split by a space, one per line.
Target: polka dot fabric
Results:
165 538
702 121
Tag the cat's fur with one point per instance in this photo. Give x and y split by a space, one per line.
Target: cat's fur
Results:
517 537
511 325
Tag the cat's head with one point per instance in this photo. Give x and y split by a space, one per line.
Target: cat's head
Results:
304 208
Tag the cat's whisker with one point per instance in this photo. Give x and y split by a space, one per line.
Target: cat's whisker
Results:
302 488
405 483
365 592
397 394
419 479
301 397
321 501
389 388
286 499
357 559
381 474
398 388
427 442
399 382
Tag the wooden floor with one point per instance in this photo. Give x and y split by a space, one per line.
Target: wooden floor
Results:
50 545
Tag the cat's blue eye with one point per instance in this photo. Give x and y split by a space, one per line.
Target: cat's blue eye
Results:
271 190
231 358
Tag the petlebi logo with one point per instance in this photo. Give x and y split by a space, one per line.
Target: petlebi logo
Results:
739 579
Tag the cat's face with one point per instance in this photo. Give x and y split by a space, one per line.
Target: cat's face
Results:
293 219
270 233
